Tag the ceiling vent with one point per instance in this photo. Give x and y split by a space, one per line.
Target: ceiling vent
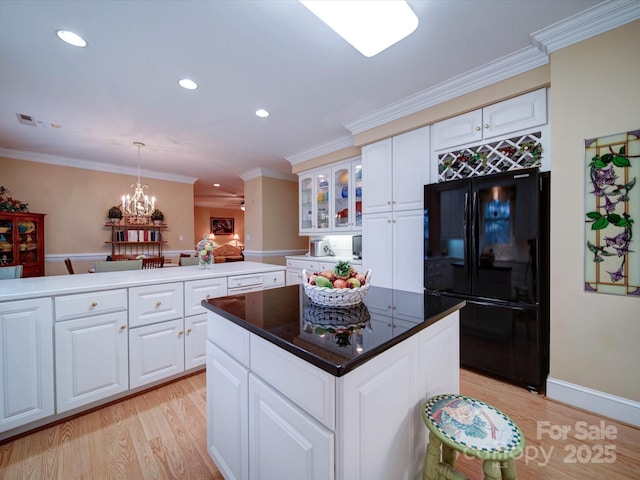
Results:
26 119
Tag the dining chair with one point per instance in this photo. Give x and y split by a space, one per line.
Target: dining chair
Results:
185 261
67 262
153 262
118 266
14 271
183 255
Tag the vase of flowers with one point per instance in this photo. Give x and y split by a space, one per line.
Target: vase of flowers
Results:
205 252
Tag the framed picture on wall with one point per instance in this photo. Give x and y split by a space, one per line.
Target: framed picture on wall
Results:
222 226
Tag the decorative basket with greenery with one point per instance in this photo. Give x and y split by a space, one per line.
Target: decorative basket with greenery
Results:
157 215
114 213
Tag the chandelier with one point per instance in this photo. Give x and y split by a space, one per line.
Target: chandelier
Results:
139 204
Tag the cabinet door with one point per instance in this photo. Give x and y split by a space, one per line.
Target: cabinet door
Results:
341 214
227 413
519 113
377 177
156 352
198 290
284 441
356 197
195 339
294 276
307 203
410 169
91 359
377 248
466 128
408 265
26 362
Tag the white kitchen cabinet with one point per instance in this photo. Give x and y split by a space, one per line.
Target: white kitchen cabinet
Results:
156 332
273 280
155 352
195 341
346 192
227 413
195 291
295 267
91 359
314 197
26 362
395 171
392 249
502 118
284 441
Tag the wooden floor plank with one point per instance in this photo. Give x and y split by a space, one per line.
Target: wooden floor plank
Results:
161 435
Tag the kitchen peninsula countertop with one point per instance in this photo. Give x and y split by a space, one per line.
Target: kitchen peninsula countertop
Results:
287 318
33 287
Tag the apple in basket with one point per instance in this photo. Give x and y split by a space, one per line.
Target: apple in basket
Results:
343 275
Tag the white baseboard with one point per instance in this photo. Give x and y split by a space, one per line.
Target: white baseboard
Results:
617 408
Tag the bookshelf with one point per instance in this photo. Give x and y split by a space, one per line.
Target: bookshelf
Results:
133 236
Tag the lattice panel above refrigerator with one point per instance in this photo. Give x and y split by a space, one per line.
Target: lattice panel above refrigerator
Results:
523 151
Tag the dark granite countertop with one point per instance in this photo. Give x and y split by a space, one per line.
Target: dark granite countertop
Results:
334 339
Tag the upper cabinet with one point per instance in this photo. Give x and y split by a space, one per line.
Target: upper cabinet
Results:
519 113
395 171
331 199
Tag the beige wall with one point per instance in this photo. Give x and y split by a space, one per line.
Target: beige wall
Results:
271 219
202 223
76 203
595 92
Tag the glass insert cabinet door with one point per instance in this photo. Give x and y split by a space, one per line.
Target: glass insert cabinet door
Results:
306 203
322 201
28 235
341 188
7 226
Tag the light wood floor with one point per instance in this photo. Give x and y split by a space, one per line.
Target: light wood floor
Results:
161 434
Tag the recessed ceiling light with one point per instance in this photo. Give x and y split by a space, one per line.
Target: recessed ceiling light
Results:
262 113
370 26
188 84
216 184
71 38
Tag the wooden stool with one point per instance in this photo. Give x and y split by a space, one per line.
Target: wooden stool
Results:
471 427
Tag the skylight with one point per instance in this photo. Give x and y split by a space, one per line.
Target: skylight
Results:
369 26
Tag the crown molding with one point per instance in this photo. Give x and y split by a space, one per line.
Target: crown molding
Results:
266 172
87 165
596 20
501 69
333 146
593 21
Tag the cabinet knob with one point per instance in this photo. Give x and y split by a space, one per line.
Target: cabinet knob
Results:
180 333
388 221
188 331
486 125
94 304
123 327
207 296
477 129
388 202
158 303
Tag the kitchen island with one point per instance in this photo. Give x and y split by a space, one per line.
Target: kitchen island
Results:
70 343
299 391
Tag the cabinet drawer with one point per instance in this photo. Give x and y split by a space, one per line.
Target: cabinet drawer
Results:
300 264
198 290
230 337
89 304
241 281
326 265
273 279
304 384
155 303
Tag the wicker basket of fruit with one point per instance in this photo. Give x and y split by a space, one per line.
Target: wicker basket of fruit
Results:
340 287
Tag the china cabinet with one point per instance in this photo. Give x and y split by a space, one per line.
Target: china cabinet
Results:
135 236
22 242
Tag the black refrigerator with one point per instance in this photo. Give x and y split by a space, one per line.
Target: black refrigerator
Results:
486 240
